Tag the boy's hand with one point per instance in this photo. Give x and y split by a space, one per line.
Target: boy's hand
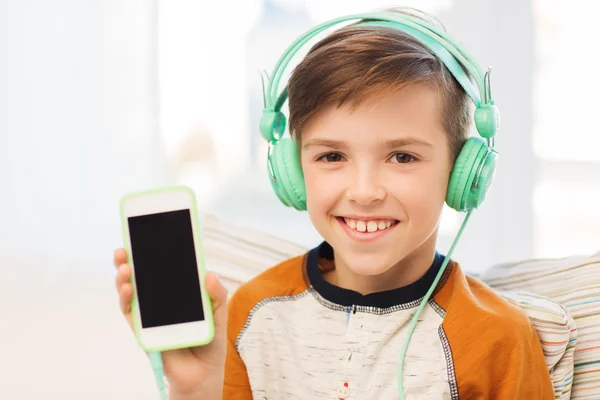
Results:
196 372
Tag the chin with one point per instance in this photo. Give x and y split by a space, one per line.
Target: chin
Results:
368 264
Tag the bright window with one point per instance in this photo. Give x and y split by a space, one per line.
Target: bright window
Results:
566 141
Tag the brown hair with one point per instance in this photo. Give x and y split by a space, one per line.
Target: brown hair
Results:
354 63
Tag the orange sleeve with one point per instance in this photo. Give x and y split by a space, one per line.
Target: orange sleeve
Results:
493 347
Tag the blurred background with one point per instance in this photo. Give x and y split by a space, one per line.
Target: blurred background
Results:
99 98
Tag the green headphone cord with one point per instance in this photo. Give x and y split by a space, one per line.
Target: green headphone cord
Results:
424 302
157 366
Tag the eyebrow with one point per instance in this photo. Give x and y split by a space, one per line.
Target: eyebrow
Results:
339 145
333 144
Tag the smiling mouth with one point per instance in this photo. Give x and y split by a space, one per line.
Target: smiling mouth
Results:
368 226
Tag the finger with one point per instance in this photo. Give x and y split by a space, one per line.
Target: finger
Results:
218 294
125 296
119 257
123 276
216 290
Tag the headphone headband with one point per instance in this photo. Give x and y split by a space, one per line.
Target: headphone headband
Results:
433 38
436 40
451 53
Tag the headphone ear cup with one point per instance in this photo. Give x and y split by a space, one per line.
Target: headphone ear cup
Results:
287 178
475 163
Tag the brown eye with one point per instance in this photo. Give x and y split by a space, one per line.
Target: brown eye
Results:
402 158
331 157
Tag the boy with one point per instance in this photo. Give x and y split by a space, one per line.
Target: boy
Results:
379 122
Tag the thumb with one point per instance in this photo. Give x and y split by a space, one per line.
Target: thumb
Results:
218 295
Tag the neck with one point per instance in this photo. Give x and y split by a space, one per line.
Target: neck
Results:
408 270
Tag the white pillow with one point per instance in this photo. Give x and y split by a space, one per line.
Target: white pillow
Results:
238 254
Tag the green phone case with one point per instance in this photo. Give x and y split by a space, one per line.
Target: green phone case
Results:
208 314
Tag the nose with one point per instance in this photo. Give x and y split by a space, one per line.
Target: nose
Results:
366 187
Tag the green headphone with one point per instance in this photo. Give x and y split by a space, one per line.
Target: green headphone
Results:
473 169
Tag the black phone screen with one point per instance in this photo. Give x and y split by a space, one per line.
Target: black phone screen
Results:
166 271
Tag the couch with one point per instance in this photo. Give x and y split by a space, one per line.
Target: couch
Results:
560 296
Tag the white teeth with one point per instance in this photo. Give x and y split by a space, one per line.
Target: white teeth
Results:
371 226
361 226
368 226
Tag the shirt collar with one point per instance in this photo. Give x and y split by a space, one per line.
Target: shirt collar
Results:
323 254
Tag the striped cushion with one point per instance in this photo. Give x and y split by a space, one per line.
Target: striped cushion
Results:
575 283
239 253
556 331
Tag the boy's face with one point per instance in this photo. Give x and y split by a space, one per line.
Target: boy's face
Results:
376 178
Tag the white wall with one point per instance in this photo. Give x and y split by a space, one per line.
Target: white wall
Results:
77 120
78 129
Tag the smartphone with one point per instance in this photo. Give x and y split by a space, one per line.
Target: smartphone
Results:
170 308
